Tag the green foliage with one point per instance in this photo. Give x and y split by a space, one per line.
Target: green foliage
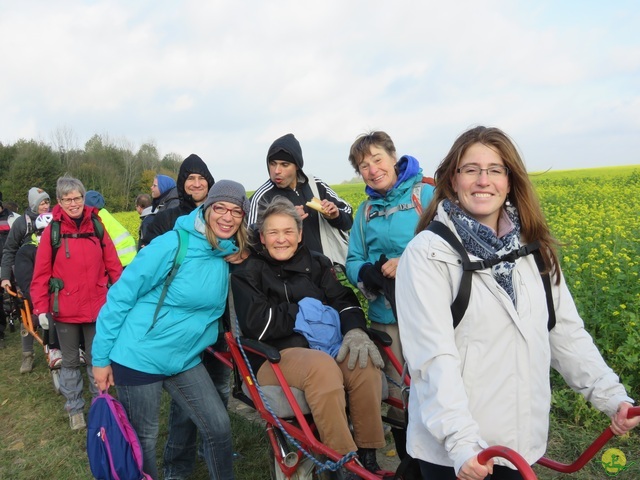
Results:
34 164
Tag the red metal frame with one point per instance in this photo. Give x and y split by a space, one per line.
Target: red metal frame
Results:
300 429
528 473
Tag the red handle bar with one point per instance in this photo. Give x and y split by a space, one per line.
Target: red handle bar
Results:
588 453
526 471
511 455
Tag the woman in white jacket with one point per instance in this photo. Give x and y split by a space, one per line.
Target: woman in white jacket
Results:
486 381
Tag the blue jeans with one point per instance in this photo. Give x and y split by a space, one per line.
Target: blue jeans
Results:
194 393
180 449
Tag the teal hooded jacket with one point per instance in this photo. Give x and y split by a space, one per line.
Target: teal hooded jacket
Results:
385 234
187 322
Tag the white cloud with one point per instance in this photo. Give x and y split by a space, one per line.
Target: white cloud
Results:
224 80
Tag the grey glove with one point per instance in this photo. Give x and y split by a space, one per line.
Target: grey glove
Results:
43 319
359 347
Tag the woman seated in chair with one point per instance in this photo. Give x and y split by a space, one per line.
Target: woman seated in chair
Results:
278 292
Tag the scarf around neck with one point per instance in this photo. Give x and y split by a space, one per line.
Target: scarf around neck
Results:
483 242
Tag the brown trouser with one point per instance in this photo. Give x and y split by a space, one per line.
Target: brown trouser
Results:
324 383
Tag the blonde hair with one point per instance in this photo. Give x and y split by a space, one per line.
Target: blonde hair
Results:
241 236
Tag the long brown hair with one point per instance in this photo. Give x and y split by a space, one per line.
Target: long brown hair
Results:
522 194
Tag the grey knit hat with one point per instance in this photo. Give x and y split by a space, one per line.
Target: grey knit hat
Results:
36 196
227 191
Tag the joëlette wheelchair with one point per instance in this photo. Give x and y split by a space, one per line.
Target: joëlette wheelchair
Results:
296 451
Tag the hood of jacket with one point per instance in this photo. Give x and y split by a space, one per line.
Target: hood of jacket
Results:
194 223
407 167
192 164
289 144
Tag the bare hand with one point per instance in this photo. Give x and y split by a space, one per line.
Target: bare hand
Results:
6 284
390 267
620 424
330 209
301 212
473 470
103 377
238 257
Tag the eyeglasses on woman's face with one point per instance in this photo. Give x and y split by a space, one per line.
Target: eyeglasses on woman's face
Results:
68 201
476 171
222 210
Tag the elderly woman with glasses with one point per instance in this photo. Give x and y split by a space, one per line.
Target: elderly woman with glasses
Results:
151 335
70 284
484 380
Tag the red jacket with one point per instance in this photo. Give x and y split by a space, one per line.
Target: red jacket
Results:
85 271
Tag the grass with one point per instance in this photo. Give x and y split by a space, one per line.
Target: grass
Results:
36 442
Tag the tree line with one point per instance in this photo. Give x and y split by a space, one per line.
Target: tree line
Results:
112 167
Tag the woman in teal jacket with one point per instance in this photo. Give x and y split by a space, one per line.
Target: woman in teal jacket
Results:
382 228
142 351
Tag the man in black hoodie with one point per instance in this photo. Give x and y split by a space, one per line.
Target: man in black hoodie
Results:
194 182
286 179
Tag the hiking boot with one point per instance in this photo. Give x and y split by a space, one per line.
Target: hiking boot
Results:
344 474
76 420
367 457
83 361
55 358
27 362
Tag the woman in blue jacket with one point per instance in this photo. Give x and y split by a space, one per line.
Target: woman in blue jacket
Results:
383 226
142 349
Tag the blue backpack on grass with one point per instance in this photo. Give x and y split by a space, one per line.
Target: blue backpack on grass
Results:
113 447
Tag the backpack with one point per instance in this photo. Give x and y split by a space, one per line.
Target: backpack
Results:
56 236
461 302
113 447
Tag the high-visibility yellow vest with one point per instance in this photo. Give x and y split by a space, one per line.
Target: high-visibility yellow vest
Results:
122 239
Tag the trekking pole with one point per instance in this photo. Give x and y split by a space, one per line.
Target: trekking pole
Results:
514 457
588 453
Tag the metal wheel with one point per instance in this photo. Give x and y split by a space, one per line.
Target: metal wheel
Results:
305 469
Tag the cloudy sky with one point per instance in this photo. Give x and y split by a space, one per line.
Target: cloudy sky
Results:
223 79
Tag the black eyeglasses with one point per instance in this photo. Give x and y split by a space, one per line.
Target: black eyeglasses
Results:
476 171
69 201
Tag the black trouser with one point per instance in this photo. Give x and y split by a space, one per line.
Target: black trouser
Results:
431 471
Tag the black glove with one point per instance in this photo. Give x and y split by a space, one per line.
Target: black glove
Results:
371 276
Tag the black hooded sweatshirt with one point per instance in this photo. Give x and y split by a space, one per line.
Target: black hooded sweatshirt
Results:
300 195
166 219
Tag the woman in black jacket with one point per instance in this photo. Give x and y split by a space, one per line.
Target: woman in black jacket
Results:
280 286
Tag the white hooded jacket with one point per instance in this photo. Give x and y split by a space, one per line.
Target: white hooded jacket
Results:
487 382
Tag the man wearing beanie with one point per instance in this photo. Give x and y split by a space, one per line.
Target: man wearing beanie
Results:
286 179
20 232
194 182
125 244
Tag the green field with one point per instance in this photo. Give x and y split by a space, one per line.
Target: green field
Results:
595 215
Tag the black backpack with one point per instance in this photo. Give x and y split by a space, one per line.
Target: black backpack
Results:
56 236
461 302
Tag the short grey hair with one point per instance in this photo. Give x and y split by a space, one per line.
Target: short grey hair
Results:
66 185
278 206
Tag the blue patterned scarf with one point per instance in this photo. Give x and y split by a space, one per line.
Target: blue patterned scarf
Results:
482 241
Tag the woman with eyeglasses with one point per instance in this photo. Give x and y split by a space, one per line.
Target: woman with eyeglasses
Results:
69 286
150 337
486 381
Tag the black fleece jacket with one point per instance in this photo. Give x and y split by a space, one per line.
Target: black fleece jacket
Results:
266 293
